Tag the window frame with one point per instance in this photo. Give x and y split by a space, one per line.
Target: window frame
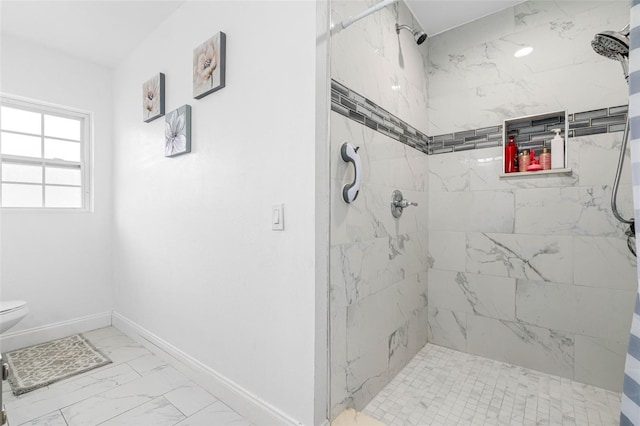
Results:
85 164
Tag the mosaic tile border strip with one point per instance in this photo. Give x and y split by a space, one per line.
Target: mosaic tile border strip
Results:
533 135
356 107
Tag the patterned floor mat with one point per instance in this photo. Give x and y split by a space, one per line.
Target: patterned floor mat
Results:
40 365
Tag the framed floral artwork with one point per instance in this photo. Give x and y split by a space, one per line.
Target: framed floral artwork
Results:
153 98
208 66
177 132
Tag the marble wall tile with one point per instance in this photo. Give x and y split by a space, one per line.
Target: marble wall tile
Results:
417 326
364 268
480 31
532 14
487 211
382 358
584 210
542 349
399 84
483 295
378 263
447 328
450 172
486 165
447 250
589 311
600 154
385 161
604 262
366 376
539 88
532 257
339 366
565 248
600 361
378 316
473 73
369 216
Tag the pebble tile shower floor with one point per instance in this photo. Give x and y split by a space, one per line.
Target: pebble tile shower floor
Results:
138 389
443 387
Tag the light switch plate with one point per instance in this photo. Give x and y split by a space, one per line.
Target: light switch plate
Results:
277 217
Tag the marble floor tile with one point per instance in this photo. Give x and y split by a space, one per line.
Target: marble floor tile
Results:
108 404
138 389
51 419
190 398
125 352
215 414
67 392
158 412
443 387
147 364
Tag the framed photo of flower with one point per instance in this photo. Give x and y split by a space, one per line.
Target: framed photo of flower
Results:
153 98
177 132
208 65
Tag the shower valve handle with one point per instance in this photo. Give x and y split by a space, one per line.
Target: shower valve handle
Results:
404 203
398 203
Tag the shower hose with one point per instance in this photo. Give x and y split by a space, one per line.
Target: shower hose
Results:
631 232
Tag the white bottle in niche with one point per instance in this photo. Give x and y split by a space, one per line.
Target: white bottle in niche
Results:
557 150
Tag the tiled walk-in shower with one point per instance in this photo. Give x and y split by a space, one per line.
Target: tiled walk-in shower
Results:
443 387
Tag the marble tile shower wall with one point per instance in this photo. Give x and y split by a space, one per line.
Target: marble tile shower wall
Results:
474 80
378 264
532 271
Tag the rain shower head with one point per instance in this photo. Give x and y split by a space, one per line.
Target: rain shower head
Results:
419 36
611 44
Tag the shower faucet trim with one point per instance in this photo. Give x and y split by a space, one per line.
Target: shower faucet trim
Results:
398 203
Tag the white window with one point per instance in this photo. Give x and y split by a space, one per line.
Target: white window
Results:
45 156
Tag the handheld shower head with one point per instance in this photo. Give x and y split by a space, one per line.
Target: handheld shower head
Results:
419 36
614 45
610 44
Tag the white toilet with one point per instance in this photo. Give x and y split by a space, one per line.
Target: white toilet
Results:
11 312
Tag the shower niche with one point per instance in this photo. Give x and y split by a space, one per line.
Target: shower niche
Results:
535 132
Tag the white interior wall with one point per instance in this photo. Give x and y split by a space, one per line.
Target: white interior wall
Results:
60 262
196 261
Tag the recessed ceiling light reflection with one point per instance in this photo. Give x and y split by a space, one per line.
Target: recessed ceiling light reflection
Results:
523 52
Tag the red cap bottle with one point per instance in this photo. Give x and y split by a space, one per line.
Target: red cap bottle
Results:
510 156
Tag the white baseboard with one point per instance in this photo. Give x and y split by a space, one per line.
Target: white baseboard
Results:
244 402
32 336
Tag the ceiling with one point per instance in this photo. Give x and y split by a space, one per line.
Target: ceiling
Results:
106 31
101 31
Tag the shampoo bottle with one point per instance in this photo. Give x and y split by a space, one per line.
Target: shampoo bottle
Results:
545 159
524 160
557 151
